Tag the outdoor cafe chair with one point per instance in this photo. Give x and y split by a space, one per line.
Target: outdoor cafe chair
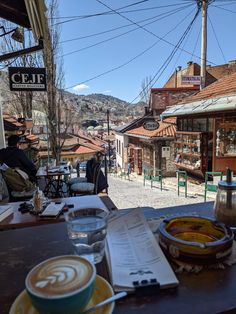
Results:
82 187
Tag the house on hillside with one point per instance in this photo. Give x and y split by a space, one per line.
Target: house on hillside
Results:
206 128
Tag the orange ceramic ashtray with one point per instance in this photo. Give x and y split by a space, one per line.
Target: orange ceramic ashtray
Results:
197 240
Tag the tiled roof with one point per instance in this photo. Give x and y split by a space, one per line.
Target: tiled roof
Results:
11 120
224 86
166 129
85 150
32 137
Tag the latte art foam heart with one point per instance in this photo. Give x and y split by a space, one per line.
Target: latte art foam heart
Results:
59 276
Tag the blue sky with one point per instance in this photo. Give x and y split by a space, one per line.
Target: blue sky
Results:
150 20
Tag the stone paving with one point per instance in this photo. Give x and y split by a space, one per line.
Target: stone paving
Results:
132 193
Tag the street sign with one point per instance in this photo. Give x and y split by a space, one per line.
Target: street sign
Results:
191 79
150 124
27 79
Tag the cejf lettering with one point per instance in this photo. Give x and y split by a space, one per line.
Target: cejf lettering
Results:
25 78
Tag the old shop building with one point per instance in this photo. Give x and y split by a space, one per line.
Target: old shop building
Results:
152 149
206 128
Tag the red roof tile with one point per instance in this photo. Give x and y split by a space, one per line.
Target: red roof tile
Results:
224 86
166 129
85 150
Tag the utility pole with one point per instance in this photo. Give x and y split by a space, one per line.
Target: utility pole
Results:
204 5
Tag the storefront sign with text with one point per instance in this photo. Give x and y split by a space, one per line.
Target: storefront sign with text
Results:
150 125
27 79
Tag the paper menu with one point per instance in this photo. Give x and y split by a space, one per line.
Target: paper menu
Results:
133 253
5 211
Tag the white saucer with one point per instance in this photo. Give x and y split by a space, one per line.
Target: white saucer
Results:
102 291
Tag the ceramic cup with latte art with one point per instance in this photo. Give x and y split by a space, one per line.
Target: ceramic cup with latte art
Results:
63 284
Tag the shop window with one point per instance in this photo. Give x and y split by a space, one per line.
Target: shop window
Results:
179 124
210 125
200 125
185 124
226 136
190 125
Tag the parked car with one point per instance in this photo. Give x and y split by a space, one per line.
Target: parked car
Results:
82 166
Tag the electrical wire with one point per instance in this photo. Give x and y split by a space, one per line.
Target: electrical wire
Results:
132 59
8 64
162 15
208 16
111 12
150 32
106 40
169 58
99 14
195 46
221 8
180 53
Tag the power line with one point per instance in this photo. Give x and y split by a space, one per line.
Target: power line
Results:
109 39
129 61
169 58
217 39
195 46
165 14
216 6
99 14
150 32
111 12
174 66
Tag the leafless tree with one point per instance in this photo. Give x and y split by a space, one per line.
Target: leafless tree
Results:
57 107
145 89
19 103
53 102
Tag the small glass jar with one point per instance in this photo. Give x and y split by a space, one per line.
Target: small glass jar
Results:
225 203
38 200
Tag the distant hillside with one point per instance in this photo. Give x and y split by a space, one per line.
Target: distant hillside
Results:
94 106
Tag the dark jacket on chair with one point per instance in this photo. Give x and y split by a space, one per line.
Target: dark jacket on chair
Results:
95 175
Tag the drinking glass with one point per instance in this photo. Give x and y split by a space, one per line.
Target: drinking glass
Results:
87 228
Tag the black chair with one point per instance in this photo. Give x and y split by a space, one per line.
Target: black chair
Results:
88 187
96 181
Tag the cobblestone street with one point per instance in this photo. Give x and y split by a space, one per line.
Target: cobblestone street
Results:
128 194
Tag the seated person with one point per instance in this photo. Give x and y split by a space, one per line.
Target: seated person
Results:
14 157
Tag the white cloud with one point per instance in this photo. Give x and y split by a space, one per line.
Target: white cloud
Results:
80 87
106 92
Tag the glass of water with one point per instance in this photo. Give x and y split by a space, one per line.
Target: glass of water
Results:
87 228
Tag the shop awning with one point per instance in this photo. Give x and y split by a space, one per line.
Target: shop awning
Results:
211 105
26 13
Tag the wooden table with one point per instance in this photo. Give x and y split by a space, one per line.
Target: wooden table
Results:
19 220
211 291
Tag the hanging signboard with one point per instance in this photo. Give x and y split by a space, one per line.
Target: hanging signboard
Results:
150 124
191 79
27 79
